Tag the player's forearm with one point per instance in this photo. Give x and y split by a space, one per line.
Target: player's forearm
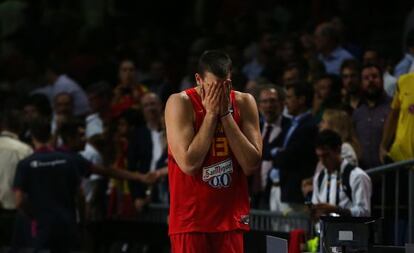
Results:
246 153
389 129
200 145
118 174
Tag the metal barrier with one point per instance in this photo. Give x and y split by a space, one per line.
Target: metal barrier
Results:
260 220
263 220
397 167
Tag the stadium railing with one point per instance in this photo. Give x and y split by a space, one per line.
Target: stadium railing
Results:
396 168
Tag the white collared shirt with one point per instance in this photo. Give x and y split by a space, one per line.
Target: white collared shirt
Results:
157 138
11 152
94 125
361 187
267 165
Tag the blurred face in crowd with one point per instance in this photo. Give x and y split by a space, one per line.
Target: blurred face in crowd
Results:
157 70
371 57
96 102
76 141
294 104
350 80
321 41
286 51
330 158
372 83
290 76
270 105
266 43
324 124
151 107
127 73
123 127
30 112
323 88
63 104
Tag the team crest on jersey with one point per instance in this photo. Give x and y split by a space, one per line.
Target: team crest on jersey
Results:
219 175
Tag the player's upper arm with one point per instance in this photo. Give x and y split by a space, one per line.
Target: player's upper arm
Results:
179 125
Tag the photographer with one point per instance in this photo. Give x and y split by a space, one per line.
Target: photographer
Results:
340 187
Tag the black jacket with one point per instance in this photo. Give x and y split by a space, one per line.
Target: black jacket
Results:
297 160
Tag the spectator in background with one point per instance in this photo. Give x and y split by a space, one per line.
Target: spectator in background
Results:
316 70
289 49
370 117
263 50
62 110
406 64
48 182
61 83
99 95
373 55
327 95
93 186
12 150
351 84
341 123
327 42
147 145
36 105
128 92
298 142
293 72
339 187
398 138
274 124
158 81
120 202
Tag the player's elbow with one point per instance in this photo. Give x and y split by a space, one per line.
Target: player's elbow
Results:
190 170
189 167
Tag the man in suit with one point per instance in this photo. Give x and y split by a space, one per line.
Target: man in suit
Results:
273 125
295 157
147 146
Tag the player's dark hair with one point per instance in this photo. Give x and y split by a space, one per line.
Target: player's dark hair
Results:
216 62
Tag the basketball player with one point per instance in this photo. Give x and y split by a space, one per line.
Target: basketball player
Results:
214 143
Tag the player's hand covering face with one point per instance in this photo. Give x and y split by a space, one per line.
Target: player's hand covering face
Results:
213 88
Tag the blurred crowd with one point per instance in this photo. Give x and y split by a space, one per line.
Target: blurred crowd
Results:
109 85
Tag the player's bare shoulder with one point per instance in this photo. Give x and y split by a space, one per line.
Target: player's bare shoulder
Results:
178 104
180 97
244 100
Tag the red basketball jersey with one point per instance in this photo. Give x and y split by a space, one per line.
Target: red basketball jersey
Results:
215 199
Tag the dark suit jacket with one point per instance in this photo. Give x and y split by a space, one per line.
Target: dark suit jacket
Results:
297 160
278 141
139 158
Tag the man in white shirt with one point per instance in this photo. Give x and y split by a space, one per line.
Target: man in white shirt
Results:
146 147
271 101
340 187
12 150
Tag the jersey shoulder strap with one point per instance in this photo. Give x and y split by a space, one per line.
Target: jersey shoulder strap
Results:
346 186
